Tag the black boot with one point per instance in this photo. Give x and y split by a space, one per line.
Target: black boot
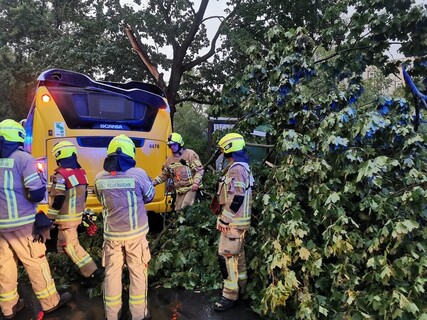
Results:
94 279
63 299
224 304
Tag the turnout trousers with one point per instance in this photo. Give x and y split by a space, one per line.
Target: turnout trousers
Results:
136 254
184 200
19 245
232 262
68 242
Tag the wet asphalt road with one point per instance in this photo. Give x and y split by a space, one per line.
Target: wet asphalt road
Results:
165 304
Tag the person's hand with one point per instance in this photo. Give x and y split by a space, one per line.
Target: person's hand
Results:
194 187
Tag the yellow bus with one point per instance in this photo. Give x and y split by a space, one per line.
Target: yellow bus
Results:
71 106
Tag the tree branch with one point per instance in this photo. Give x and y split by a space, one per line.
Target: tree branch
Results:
189 99
211 51
137 46
339 52
194 28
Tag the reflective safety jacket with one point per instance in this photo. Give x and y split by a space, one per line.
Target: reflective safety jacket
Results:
72 185
18 175
185 170
123 195
235 196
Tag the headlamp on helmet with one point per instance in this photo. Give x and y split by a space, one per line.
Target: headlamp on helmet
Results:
64 149
175 138
231 142
12 131
122 144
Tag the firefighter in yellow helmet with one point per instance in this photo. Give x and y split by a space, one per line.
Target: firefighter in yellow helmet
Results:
235 198
22 186
67 198
123 190
186 170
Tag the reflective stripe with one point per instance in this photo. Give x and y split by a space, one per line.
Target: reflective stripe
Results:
231 282
244 221
134 300
112 301
60 186
239 184
72 200
10 195
73 180
9 296
52 212
133 206
183 190
228 214
51 289
69 217
149 192
119 236
21 221
31 178
80 262
243 275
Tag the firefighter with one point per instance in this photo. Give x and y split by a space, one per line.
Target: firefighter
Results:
67 197
186 170
235 199
22 231
123 190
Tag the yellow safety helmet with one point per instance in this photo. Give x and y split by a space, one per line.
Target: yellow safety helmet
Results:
64 149
231 142
12 131
175 138
123 144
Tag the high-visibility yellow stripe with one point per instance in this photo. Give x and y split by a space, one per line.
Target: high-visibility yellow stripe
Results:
21 221
72 200
240 184
231 283
243 275
149 192
80 262
10 195
135 300
112 301
133 215
228 214
31 178
119 236
9 296
69 217
60 187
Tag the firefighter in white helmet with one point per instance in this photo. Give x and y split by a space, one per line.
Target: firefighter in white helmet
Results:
186 170
235 199
123 190
67 198
22 231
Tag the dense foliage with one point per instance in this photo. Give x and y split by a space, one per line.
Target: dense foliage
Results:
342 216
